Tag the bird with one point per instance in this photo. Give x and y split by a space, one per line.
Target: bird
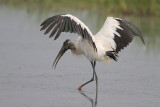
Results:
115 34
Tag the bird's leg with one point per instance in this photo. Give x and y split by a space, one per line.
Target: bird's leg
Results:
93 65
96 77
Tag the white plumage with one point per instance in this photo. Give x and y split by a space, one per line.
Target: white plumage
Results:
78 22
114 35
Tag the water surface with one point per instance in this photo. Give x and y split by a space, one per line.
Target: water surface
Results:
27 78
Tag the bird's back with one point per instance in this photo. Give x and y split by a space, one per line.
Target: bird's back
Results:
114 35
83 47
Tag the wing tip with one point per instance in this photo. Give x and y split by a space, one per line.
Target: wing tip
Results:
142 39
134 29
42 28
42 24
140 36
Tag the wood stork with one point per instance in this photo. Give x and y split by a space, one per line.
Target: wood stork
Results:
114 35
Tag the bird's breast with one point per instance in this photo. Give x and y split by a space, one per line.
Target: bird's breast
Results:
88 51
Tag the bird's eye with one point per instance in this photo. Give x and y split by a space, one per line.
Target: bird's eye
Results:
65 43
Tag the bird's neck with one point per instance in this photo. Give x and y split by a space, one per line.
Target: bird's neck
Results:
75 49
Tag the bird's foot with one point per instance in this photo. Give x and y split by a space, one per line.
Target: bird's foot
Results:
79 88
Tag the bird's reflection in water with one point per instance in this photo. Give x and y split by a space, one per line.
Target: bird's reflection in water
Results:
93 101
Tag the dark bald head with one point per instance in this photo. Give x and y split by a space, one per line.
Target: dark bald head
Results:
67 44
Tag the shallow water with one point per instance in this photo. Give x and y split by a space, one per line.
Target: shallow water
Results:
27 78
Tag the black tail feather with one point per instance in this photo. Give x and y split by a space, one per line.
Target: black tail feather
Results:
112 54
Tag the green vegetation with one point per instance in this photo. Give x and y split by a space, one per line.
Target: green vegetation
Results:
118 7
143 13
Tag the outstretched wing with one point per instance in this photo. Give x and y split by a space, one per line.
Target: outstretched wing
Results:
119 31
67 23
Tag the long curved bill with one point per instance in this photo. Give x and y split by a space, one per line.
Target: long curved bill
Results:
60 54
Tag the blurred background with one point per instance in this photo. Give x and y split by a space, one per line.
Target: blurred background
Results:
144 13
26 56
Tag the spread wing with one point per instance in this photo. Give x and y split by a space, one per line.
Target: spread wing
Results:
119 33
67 23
